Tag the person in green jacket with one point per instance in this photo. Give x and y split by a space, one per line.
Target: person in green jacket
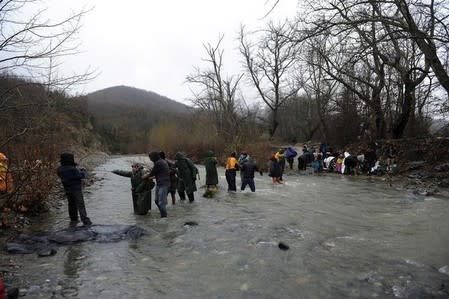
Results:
210 164
140 188
187 173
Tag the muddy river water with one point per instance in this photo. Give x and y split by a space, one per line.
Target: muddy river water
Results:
347 238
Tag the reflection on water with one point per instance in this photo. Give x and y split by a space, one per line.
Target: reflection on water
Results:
348 238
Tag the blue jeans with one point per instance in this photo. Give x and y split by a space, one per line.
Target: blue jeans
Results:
161 199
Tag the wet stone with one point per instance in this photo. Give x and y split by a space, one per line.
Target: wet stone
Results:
46 244
48 252
444 270
283 246
190 223
423 192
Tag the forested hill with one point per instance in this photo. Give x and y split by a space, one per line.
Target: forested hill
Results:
124 117
130 96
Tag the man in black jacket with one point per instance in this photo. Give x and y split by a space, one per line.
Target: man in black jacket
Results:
160 172
248 168
71 178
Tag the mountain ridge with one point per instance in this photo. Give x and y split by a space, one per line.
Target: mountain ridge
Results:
122 95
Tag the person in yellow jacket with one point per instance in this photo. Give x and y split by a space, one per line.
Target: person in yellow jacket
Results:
231 170
280 157
6 181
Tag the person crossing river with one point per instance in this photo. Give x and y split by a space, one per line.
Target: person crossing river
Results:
187 173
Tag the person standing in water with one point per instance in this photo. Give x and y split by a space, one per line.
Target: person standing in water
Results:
161 173
210 164
231 170
187 173
173 178
248 168
71 178
140 188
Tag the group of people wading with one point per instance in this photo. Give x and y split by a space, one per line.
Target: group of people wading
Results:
247 169
167 177
170 178
180 175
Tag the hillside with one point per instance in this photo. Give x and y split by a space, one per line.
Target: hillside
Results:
124 116
134 97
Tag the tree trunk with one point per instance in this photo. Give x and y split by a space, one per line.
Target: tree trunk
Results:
401 122
427 46
380 119
273 124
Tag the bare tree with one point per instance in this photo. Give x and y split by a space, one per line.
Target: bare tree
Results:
269 64
315 82
31 49
27 44
368 46
427 23
216 95
33 124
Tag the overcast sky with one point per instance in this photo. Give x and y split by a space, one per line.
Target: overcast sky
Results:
154 45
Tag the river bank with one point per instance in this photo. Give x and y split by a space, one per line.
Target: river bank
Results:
418 165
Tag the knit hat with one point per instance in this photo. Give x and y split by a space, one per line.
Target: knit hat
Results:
154 156
67 159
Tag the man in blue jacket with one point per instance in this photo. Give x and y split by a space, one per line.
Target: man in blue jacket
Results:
71 178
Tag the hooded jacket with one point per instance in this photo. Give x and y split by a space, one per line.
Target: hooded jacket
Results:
71 176
187 172
210 163
135 176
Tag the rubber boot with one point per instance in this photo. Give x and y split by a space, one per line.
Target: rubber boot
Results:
191 197
182 195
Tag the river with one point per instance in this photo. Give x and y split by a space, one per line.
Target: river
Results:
348 238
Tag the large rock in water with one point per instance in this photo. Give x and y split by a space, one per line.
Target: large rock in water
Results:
48 242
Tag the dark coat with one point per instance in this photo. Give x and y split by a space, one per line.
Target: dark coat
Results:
275 169
136 177
210 163
160 170
186 172
71 177
143 197
248 169
141 189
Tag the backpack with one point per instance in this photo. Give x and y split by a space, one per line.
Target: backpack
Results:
290 153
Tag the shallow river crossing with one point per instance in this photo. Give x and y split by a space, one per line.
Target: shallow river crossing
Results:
348 238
